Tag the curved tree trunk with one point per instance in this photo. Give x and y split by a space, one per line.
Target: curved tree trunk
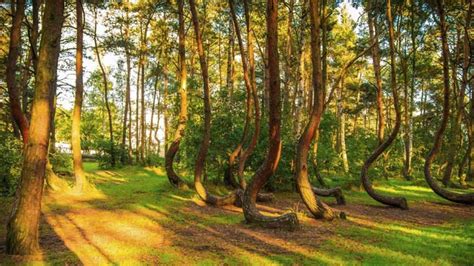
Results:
173 177
266 170
106 91
315 206
22 228
203 149
442 192
252 80
81 181
399 202
229 172
13 53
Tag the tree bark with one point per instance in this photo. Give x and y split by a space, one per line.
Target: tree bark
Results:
438 139
203 149
173 177
22 228
247 152
126 114
399 202
315 205
13 91
143 49
81 181
378 76
267 169
106 91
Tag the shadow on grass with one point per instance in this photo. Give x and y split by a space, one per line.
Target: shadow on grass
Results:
138 216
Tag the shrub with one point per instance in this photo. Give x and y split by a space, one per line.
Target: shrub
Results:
10 166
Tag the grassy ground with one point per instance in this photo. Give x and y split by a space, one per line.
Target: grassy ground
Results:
136 216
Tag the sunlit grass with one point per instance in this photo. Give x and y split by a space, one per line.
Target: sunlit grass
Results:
137 216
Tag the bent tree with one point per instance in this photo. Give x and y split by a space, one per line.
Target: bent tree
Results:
173 177
229 172
314 204
204 147
266 170
399 202
256 104
449 195
22 228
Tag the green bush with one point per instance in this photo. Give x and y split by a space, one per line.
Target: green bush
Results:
10 166
61 162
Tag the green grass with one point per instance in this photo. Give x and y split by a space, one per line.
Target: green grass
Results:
213 236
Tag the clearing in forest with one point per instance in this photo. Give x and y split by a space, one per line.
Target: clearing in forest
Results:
136 216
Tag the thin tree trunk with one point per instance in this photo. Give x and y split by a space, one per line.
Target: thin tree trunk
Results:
399 202
229 177
81 181
253 86
22 228
13 53
137 112
127 89
173 177
152 124
372 21
267 169
106 92
456 121
143 66
203 149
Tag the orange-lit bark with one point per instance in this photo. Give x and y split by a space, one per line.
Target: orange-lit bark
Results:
22 228
204 147
467 198
267 169
399 202
173 177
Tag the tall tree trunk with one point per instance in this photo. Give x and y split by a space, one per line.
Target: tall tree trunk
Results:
22 228
455 132
173 177
253 86
409 103
137 113
152 124
13 53
203 149
267 169
229 173
230 63
106 92
288 60
442 192
399 202
315 206
143 49
126 114
372 22
81 181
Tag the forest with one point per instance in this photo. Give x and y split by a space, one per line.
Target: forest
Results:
237 132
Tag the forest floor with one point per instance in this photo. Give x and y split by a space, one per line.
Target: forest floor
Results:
136 216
